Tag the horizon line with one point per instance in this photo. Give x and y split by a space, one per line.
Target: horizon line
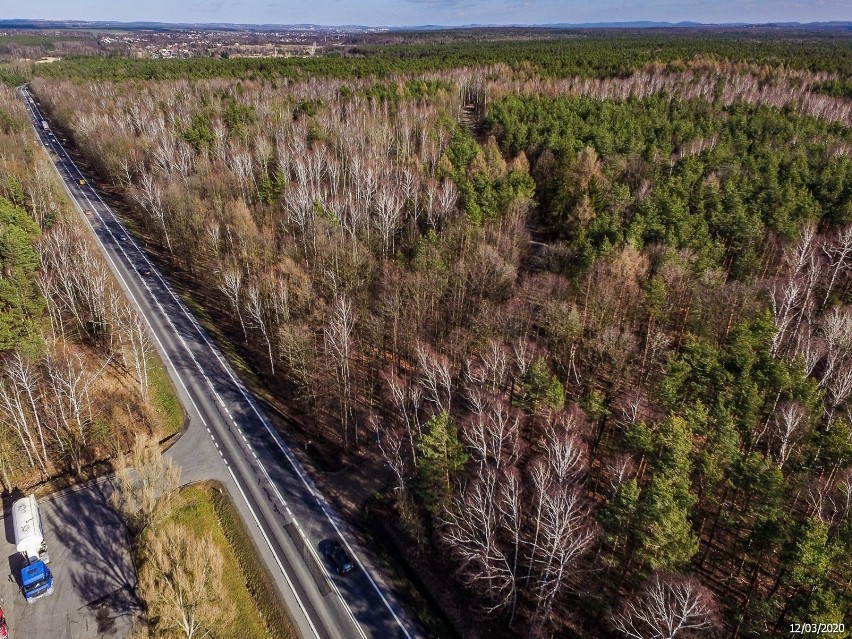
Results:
615 24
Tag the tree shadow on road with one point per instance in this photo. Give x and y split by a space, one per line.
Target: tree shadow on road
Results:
102 569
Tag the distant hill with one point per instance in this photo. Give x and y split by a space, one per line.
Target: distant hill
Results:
227 26
638 24
557 25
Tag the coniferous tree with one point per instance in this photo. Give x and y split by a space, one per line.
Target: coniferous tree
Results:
617 518
666 539
541 388
440 456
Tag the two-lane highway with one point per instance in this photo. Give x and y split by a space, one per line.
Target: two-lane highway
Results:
285 513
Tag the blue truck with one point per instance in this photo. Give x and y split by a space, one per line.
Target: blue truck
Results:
36 578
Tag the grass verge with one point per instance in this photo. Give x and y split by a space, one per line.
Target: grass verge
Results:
164 399
257 580
260 613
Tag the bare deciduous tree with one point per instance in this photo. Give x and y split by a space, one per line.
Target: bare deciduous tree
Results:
567 533
387 218
146 485
492 432
406 409
787 430
839 254
436 377
181 582
21 401
668 607
258 312
509 503
231 285
135 330
150 197
566 455
470 529
392 446
339 343
447 197
70 412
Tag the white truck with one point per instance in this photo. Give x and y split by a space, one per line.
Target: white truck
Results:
36 577
45 125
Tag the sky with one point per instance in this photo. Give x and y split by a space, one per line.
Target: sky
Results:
418 12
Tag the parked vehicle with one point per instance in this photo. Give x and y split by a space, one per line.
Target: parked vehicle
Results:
36 577
335 552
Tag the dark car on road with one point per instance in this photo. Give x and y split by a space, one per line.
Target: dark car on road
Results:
335 552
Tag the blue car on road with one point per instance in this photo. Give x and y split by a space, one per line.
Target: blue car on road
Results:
335 552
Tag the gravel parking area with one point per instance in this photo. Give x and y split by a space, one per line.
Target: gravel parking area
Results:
94 577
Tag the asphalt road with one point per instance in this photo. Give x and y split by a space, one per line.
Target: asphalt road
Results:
284 511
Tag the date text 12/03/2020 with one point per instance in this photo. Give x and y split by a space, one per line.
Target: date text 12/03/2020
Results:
817 628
